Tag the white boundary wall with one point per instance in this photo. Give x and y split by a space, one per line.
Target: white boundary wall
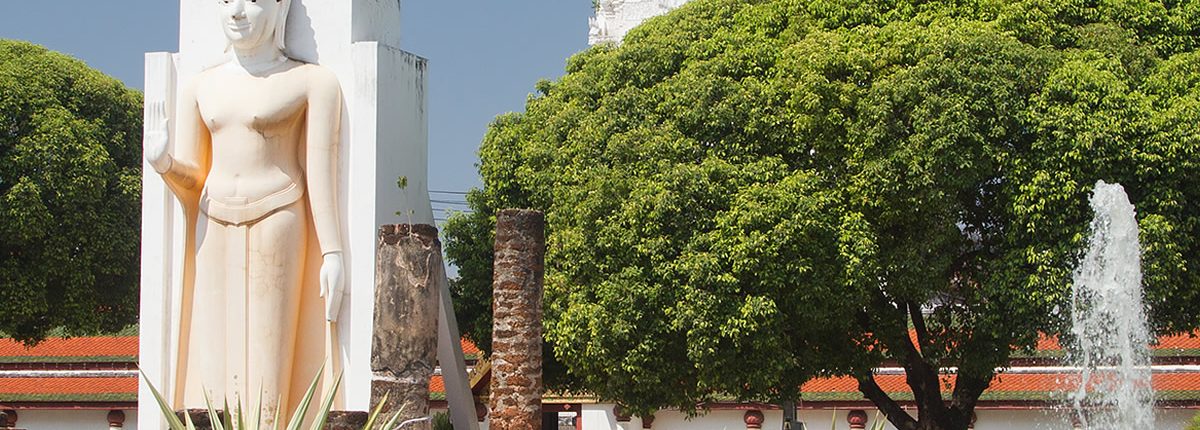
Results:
72 420
600 417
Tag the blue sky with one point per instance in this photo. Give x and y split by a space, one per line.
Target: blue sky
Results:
484 56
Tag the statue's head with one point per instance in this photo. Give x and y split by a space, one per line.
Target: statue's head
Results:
251 23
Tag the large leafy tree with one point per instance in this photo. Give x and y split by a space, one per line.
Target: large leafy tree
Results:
748 194
70 163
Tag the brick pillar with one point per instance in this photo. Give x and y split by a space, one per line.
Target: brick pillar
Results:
857 419
753 419
408 278
116 420
516 390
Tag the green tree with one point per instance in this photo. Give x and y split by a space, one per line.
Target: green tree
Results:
70 163
748 194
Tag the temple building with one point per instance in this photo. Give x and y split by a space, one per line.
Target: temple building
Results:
91 383
614 18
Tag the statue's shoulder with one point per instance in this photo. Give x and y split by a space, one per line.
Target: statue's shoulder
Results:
319 76
199 81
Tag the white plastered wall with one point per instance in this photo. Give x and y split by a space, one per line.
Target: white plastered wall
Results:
989 419
72 419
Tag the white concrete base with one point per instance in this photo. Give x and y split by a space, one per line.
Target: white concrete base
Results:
72 419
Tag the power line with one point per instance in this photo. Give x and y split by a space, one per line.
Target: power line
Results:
453 210
461 193
451 202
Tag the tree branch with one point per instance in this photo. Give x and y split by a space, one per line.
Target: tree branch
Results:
892 410
918 320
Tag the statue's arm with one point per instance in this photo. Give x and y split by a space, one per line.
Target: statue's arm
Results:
324 131
185 171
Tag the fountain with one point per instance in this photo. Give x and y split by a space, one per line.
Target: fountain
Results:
1109 321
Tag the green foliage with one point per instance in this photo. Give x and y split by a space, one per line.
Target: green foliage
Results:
441 421
1195 424
748 194
239 420
70 187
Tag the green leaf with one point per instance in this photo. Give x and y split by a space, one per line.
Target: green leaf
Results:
168 413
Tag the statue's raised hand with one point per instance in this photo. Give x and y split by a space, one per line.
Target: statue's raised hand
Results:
156 138
332 284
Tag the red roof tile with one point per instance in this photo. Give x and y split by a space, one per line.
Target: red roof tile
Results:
1047 384
73 347
67 385
1178 342
437 384
469 348
68 389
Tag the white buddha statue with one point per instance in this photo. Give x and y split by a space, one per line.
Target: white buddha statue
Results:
253 164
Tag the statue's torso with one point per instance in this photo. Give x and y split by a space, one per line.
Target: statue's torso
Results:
257 126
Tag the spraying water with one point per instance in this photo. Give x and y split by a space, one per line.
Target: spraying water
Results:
1109 321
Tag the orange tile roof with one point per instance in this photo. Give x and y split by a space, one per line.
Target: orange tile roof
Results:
67 385
123 389
1006 386
437 387
123 346
469 348
1175 342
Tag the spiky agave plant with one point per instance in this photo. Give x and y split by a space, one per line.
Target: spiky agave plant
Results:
223 420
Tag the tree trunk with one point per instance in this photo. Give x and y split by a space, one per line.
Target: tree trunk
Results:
924 379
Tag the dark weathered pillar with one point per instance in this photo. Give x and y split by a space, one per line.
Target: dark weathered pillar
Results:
404 346
516 390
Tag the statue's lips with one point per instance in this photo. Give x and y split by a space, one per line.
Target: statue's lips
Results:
240 28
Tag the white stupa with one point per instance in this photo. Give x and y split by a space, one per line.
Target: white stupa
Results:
614 18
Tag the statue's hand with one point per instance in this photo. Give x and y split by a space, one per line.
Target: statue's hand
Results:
156 138
332 284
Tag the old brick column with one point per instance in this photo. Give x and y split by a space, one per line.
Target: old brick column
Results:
409 271
516 390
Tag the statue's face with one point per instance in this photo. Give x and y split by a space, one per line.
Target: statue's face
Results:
249 23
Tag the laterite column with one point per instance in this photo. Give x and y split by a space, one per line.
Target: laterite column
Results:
404 346
516 390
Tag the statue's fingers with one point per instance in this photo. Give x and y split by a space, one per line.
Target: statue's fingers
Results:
324 283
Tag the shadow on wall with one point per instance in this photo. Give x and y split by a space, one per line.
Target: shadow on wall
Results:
301 37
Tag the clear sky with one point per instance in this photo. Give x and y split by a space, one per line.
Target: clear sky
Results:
484 56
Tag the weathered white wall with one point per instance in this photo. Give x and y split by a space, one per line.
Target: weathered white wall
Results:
598 416
614 18
595 418
71 419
